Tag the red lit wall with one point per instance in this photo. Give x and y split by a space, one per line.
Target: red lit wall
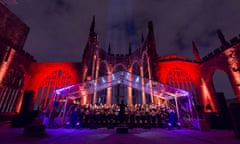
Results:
187 75
49 76
164 67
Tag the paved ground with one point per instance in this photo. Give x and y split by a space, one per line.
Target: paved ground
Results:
109 136
106 136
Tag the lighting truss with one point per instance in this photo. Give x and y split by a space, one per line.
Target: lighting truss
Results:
125 78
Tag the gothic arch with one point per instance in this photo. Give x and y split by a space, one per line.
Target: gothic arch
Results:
103 68
56 79
146 74
103 71
22 69
119 67
11 90
136 94
94 65
181 79
221 76
145 65
209 96
136 68
227 61
90 65
119 92
144 54
135 62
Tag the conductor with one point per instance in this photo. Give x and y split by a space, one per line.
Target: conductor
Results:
122 111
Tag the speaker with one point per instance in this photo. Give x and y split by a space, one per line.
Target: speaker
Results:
221 102
235 114
225 118
122 130
213 120
27 102
199 109
25 117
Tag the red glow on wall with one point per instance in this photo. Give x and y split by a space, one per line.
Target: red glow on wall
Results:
50 76
186 75
163 68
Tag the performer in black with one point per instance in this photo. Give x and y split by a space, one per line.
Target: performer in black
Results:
74 117
122 111
172 118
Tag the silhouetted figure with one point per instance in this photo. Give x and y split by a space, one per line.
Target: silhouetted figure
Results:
122 111
74 117
173 118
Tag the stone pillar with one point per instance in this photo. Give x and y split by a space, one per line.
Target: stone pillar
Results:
155 100
84 100
130 89
129 95
150 79
94 97
235 83
142 81
233 59
95 81
207 93
109 91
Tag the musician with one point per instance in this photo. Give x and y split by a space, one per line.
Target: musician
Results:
121 111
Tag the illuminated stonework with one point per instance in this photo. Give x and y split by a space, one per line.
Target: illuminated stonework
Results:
194 76
15 63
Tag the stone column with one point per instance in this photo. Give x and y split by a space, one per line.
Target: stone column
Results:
109 91
150 79
207 93
232 56
142 82
95 81
130 89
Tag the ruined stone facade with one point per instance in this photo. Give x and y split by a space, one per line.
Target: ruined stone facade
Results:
20 72
15 63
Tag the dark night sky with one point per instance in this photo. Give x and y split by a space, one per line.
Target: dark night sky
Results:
59 28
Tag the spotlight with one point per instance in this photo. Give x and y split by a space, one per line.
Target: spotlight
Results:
169 126
137 79
78 125
68 124
179 126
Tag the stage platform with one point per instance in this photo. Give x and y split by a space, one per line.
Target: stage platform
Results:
109 136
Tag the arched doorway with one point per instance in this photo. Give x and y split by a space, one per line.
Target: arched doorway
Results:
55 80
222 93
101 95
11 90
219 78
146 74
181 79
136 94
119 92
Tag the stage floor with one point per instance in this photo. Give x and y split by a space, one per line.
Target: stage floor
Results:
109 136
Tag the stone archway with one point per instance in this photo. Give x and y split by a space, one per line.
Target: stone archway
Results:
225 91
54 80
228 61
101 96
136 94
11 90
119 92
180 78
220 76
